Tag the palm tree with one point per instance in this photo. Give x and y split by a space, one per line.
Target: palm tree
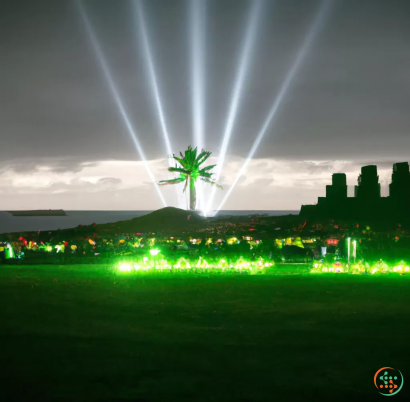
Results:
190 171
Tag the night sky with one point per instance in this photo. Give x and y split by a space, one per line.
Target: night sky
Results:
64 143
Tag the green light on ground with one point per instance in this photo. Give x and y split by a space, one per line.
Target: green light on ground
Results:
124 267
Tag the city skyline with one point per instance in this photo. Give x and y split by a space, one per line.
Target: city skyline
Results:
368 200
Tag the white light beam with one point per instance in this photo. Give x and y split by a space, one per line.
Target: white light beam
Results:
197 20
238 89
141 18
198 63
315 27
115 94
153 78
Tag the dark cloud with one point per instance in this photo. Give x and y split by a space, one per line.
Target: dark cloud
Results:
23 167
349 99
70 167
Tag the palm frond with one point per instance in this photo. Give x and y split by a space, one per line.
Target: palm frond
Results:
201 154
205 155
187 154
213 183
172 181
182 162
193 155
177 169
190 156
205 174
207 168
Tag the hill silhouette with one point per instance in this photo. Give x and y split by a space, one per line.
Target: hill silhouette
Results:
165 219
170 221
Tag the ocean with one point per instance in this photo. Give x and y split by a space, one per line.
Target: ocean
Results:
9 223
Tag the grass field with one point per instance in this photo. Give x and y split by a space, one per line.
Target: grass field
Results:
87 333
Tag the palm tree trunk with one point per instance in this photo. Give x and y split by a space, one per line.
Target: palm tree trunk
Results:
192 194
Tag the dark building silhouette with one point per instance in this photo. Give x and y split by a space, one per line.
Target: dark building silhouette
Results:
400 181
367 202
368 183
338 189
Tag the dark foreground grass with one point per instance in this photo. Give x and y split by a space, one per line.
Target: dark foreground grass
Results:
89 334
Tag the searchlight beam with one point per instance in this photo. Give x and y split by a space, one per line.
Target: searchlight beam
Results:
198 63
197 33
245 58
114 91
150 67
314 29
140 17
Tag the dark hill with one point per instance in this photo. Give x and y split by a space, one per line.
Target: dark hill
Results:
169 213
162 220
172 221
